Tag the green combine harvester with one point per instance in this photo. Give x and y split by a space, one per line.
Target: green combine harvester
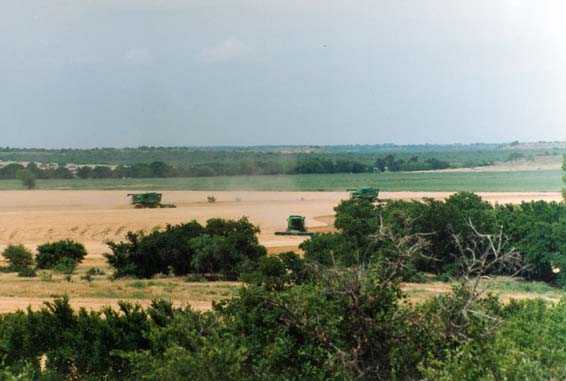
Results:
148 200
296 226
365 193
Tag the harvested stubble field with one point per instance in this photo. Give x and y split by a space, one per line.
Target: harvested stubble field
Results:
506 288
19 293
92 217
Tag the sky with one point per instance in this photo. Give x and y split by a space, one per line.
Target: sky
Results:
115 73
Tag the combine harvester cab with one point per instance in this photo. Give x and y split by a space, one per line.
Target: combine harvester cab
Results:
296 226
148 200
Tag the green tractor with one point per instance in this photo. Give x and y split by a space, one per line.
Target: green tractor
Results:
148 200
296 226
365 193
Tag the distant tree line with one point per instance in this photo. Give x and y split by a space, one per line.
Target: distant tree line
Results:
10 172
393 164
247 167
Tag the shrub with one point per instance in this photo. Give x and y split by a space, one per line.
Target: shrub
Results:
65 266
211 199
278 272
444 277
18 256
27 272
26 177
51 254
94 271
330 249
45 276
223 247
144 255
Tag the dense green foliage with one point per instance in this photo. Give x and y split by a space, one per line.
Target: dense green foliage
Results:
26 177
18 257
338 313
530 345
159 169
393 164
293 323
27 272
458 155
170 162
222 247
536 230
302 332
28 174
64 253
77 346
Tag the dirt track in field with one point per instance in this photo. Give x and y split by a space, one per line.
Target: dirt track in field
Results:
92 217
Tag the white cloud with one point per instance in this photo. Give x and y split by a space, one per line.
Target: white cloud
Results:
228 50
140 56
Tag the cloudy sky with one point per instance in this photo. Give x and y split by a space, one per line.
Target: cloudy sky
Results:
84 73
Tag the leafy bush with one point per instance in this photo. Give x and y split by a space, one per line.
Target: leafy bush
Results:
45 275
295 320
81 345
537 230
391 163
27 272
91 272
64 252
308 318
18 256
278 272
331 249
223 247
65 266
144 255
94 271
530 345
26 177
441 222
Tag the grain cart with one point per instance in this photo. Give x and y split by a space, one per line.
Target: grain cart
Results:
295 226
148 200
366 193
